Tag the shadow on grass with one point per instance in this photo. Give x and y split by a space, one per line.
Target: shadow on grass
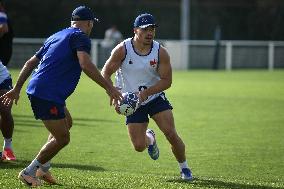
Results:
24 163
83 187
94 120
30 121
209 183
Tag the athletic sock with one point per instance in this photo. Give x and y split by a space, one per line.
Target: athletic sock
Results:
183 165
150 136
31 169
45 167
8 143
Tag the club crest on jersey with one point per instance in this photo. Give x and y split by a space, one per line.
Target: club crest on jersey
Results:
153 63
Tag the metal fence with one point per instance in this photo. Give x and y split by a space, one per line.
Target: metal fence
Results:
184 54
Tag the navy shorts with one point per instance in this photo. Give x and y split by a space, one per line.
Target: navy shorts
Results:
153 107
46 110
6 84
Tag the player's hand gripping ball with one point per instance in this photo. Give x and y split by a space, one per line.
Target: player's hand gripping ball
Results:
129 104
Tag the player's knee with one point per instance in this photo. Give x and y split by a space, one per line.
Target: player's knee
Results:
171 135
174 139
139 147
64 140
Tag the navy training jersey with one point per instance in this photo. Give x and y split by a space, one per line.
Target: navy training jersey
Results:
58 72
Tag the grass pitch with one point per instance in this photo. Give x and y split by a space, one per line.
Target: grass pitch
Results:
231 122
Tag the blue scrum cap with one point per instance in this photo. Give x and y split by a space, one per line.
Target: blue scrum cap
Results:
144 20
83 13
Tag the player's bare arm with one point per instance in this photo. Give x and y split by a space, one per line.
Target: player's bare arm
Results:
113 62
111 65
92 72
14 94
165 73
